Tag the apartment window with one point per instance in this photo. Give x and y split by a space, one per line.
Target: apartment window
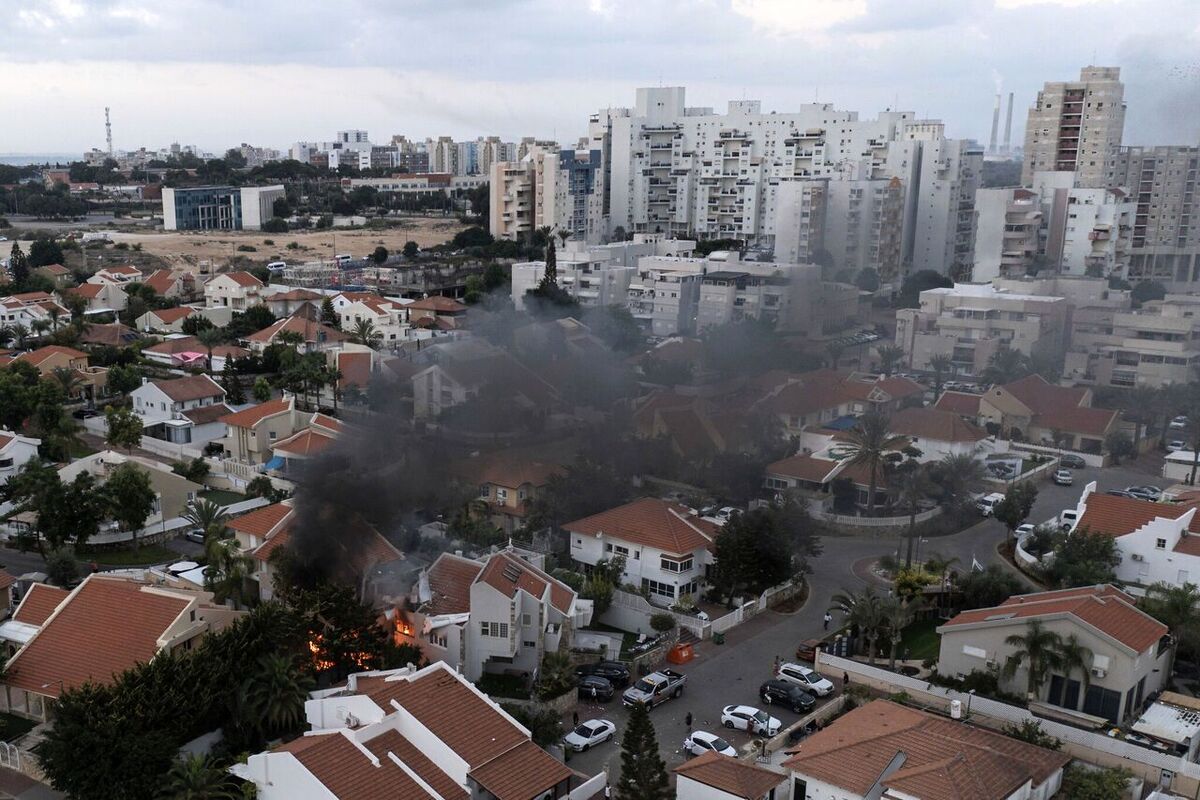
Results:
526 620
1161 544
658 588
670 565
501 494
528 644
496 630
621 551
484 491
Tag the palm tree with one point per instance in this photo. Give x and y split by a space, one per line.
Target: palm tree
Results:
1038 649
210 338
207 516
897 615
1005 366
1176 607
6 335
889 356
39 327
20 333
913 487
198 778
365 333
55 314
228 569
941 364
864 612
959 476
866 444
68 379
1071 656
271 699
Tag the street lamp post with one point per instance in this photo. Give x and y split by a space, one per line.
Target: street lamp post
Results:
970 695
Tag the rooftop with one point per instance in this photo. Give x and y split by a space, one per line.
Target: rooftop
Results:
249 417
731 775
450 579
651 522
192 387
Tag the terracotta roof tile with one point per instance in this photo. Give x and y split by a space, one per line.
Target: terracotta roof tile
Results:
962 403
349 774
6 579
249 417
178 344
650 522
935 424
113 333
1091 421
355 369
105 627
507 573
39 603
450 579
261 521
192 387
307 329
207 414
89 290
170 315
36 357
1106 609
308 442
240 278
804 467
418 762
507 470
294 294
438 304
731 776
327 422
161 281
275 541
523 772
1041 396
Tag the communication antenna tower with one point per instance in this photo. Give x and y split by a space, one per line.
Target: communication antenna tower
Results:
108 130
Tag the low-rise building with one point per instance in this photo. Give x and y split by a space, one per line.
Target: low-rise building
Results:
666 547
1033 410
286 303
93 381
164 320
100 297
442 313
57 274
507 483
170 284
26 308
1155 345
120 275
183 410
236 290
886 750
388 316
811 398
1126 652
314 336
714 776
15 451
172 492
252 433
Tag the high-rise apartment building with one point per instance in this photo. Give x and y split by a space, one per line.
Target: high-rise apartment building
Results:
1007 230
1161 181
863 225
943 235
443 155
558 189
1076 126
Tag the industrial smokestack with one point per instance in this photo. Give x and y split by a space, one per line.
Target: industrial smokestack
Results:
995 126
1008 127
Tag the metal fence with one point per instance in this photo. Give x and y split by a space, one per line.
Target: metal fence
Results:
879 522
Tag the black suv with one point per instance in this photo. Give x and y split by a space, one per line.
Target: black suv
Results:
1069 461
788 695
595 688
614 672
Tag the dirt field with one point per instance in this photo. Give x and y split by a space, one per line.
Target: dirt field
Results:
187 249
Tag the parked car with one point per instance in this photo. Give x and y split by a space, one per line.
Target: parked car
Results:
727 513
614 672
1175 445
700 742
807 651
1118 493
1024 529
655 688
1179 423
807 679
987 503
587 734
1072 462
195 535
1067 519
1145 492
593 687
751 719
786 694
1063 477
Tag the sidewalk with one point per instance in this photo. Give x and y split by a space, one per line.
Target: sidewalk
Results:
17 786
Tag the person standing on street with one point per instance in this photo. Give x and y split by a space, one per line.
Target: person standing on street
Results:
688 721
828 619
575 719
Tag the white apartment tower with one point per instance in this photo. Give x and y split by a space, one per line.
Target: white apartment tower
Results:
558 189
1166 230
1076 126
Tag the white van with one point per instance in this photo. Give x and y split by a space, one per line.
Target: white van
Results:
277 266
987 503
1067 519
344 258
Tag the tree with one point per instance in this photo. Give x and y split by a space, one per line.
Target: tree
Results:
600 585
865 612
920 281
61 568
942 365
411 249
1070 655
231 382
889 356
1083 559
131 497
1005 366
867 280
210 338
193 324
1016 506
1095 783
1038 650
380 255
897 615
124 428
1119 445
867 444
275 225
765 547
18 266
262 390
198 777
366 333
989 587
207 516
124 379
958 476
228 568
643 773
44 251
1176 607
1030 731
329 315
835 350
556 676
281 208
544 724
550 274
912 487
1146 291
272 696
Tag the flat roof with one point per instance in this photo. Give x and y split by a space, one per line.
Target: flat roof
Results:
987 290
1169 723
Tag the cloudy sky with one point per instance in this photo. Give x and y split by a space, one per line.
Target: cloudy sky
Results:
270 72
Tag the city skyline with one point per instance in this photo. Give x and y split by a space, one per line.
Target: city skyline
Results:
214 74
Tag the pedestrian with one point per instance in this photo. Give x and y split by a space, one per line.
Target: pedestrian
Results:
845 679
688 721
575 719
828 619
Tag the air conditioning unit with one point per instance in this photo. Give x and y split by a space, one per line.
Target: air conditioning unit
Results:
1099 673
1137 557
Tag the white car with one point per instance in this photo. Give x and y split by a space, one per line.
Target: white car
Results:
1024 529
749 718
592 732
1175 446
1179 423
806 678
701 742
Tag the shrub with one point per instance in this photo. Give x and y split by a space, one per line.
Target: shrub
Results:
275 225
662 622
247 248
269 241
293 246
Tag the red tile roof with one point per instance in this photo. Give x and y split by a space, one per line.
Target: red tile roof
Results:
294 294
249 417
261 521
123 269
240 278
650 522
731 776
307 329
1116 516
192 387
36 357
961 403
939 759
206 414
349 774
170 315
508 573
179 344
161 281
39 603
1041 396
6 580
804 467
355 369
308 442
105 627
438 304
1106 609
89 290
277 540
450 580
55 269
418 762
935 424
1081 419
325 421
507 470
523 772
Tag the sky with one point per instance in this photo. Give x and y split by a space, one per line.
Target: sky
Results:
216 73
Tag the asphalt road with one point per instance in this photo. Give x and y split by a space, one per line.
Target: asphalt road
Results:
731 673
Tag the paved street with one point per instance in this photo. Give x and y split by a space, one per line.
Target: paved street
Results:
732 673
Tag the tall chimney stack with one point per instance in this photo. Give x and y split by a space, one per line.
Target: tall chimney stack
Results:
1008 127
995 126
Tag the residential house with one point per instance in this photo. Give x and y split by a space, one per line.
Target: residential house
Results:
164 320
121 275
112 334
183 410
1033 410
57 274
356 364
423 734
30 615
291 454
696 427
666 547
439 610
101 297
935 432
887 751
26 308
93 381
815 473
1127 657
465 369
442 313
236 290
171 285
389 316
507 483
806 398
15 451
178 351
285 304
104 627
1158 542
714 776
314 336
172 492
253 432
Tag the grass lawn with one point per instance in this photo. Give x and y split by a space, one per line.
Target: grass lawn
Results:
81 450
503 686
13 727
145 555
921 640
628 639
222 497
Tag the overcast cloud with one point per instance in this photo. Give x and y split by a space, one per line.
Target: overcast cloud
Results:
219 72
